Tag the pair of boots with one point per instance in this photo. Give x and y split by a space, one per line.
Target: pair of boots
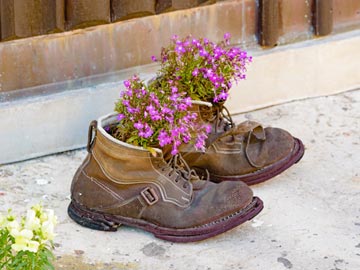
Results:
185 198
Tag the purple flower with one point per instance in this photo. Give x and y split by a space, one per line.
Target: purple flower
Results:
187 101
161 114
147 131
164 138
203 53
182 107
222 96
180 49
174 151
126 102
139 125
120 116
174 97
174 89
153 58
186 138
127 84
175 132
207 128
132 110
195 72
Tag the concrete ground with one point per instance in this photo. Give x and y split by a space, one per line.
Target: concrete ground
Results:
311 218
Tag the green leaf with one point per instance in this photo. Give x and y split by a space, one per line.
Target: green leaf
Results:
151 150
132 139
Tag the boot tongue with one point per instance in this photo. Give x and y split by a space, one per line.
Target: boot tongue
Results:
255 128
255 151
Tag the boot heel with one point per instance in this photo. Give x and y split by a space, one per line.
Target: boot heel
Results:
90 219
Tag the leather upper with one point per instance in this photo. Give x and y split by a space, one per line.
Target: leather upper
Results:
237 150
120 179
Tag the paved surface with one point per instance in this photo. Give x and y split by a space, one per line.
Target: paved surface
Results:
311 218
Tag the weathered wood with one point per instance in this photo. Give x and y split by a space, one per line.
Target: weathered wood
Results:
127 9
25 18
7 20
170 5
323 17
0 20
269 22
84 13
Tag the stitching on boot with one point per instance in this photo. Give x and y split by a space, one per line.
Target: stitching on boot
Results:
160 187
111 192
223 151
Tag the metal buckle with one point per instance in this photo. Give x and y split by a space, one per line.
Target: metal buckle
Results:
149 195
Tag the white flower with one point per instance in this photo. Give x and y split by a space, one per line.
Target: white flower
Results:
47 229
3 221
23 241
31 221
13 224
50 216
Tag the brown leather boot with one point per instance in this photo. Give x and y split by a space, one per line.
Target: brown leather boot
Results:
119 183
246 152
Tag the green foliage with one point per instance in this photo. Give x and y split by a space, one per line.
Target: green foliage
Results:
27 245
203 69
26 260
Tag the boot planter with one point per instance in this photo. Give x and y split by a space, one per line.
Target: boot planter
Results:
246 152
206 71
122 184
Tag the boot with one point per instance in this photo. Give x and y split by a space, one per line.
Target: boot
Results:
119 183
246 152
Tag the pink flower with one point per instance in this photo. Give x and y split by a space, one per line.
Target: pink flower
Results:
120 116
195 72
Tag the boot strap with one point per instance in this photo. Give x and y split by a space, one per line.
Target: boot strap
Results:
91 135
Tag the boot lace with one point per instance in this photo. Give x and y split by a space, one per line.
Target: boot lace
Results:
179 166
219 115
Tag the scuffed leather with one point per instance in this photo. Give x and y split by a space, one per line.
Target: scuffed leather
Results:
112 177
237 150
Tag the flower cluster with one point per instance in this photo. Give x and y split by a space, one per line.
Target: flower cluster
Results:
31 238
157 115
204 69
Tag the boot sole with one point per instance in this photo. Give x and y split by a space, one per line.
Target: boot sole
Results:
268 172
105 222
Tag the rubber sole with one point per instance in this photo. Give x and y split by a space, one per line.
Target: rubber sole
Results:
105 222
268 172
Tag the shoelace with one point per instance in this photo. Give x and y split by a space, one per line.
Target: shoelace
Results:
222 118
224 114
179 166
220 115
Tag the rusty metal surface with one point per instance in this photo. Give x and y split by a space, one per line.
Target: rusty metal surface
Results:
84 13
269 22
127 9
323 17
30 18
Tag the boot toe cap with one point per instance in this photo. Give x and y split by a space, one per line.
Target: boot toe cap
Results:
280 144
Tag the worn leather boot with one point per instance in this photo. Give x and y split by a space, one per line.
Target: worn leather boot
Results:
246 152
119 183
